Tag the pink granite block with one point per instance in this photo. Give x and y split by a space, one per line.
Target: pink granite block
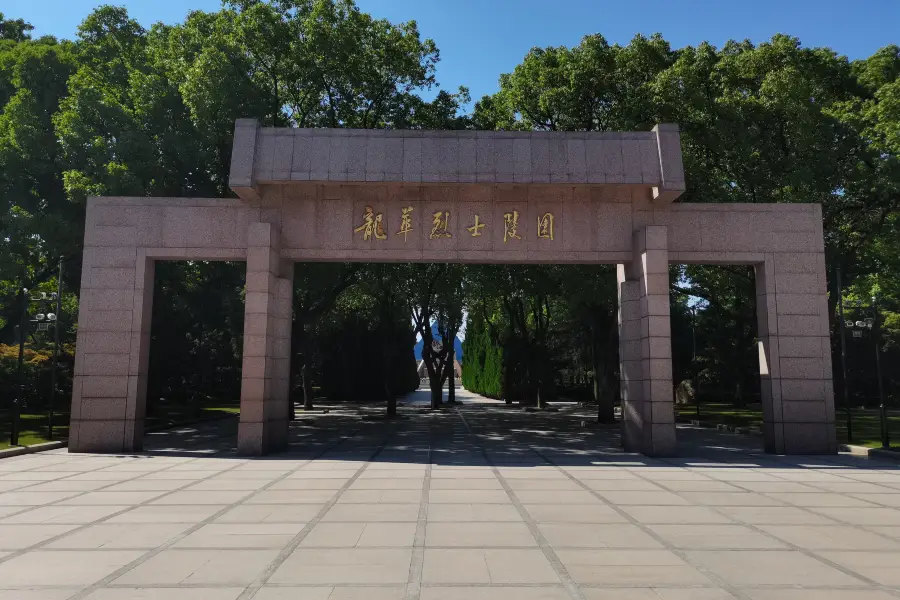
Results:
798 304
103 342
412 159
801 347
258 345
800 325
253 390
612 160
799 262
251 439
260 281
106 320
104 386
104 364
521 155
357 155
803 389
94 299
258 324
809 438
97 436
142 311
662 412
121 257
801 368
283 156
631 161
659 391
300 161
102 409
659 368
650 173
338 157
804 412
773 437
576 157
655 262
258 303
663 441
540 157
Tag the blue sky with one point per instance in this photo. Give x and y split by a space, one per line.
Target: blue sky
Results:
480 39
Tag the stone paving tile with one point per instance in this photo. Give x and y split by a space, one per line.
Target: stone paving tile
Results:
465 484
119 536
344 566
660 498
256 535
381 496
728 537
821 499
817 594
831 537
38 594
332 593
630 567
881 567
469 496
167 514
478 535
63 568
376 484
692 593
775 515
361 535
126 593
28 498
730 499
224 567
452 513
495 593
892 500
675 514
573 513
186 498
144 485
754 567
75 515
19 537
862 516
372 512
270 513
112 498
585 535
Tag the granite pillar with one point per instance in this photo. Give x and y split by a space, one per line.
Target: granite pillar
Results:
267 331
795 354
646 346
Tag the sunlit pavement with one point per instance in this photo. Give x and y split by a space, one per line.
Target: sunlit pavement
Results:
472 502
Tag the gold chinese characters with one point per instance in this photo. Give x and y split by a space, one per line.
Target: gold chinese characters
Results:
373 225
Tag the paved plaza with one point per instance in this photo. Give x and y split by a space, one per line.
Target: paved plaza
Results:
475 502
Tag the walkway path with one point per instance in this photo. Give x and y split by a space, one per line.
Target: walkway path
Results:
470 503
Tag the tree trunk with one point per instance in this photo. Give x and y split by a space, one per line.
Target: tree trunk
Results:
307 385
602 393
436 393
451 377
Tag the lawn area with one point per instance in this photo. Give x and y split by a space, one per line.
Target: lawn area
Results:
33 426
866 422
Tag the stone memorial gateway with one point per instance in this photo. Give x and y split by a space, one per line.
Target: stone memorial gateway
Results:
454 196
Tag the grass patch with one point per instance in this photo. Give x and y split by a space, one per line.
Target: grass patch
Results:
866 422
33 426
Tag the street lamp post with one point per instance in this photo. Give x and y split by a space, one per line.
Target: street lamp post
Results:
876 330
846 383
872 324
20 386
695 377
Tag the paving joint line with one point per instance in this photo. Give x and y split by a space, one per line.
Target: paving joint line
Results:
251 590
549 553
174 540
417 561
804 551
101 520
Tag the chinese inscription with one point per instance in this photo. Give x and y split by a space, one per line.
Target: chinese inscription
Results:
511 226
372 225
475 229
405 221
439 225
545 226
